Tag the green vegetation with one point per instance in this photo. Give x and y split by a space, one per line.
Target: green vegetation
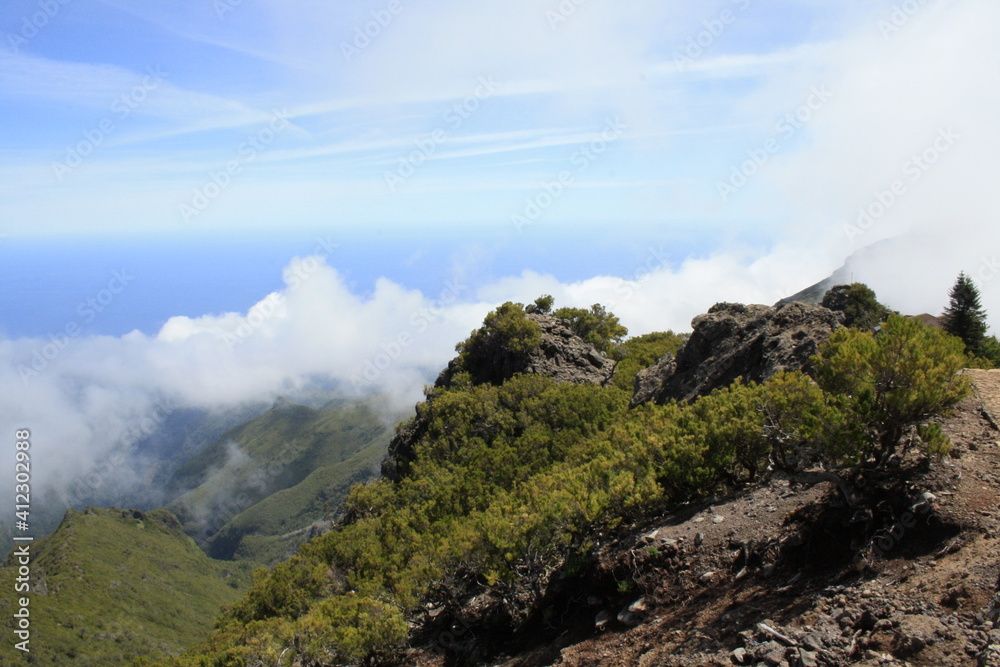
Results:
542 305
893 379
858 303
274 475
505 330
989 354
964 317
641 352
511 482
596 326
113 585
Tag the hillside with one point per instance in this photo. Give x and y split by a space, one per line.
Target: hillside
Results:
790 572
535 512
111 585
252 492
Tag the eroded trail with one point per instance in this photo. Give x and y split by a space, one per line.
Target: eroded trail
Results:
987 387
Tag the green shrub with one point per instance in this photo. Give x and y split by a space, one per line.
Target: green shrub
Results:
505 331
641 352
597 326
859 305
893 379
514 482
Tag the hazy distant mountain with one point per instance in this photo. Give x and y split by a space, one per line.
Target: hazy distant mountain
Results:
253 492
814 293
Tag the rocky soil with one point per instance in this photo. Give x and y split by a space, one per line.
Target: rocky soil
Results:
793 573
901 568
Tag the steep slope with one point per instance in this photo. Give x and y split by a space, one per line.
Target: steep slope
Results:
802 572
111 585
559 354
527 516
275 475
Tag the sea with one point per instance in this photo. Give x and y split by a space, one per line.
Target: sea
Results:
49 283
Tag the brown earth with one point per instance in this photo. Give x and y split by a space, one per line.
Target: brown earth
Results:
782 579
901 569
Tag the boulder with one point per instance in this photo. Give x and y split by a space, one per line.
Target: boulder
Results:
562 356
733 341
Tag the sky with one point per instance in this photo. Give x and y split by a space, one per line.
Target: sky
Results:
208 203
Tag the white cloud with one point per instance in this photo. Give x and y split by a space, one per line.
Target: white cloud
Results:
80 396
913 108
893 95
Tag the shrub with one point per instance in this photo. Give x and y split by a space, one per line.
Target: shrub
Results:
858 303
893 379
597 326
641 352
506 331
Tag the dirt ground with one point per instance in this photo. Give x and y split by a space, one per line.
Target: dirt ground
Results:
796 572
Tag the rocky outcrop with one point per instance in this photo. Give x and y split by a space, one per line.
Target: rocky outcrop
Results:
564 356
735 341
561 355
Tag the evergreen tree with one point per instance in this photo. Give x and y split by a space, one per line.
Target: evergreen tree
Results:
965 316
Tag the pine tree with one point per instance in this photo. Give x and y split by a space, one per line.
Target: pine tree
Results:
965 316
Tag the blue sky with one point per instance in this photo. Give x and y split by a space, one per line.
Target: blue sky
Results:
119 113
258 193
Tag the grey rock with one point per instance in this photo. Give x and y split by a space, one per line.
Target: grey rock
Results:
640 606
813 641
631 619
562 356
732 341
772 653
